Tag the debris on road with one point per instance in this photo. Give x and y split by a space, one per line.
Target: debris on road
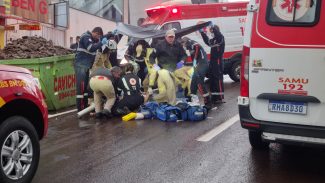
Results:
32 47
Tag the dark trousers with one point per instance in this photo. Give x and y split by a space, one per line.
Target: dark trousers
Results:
132 102
82 79
142 73
215 74
113 59
197 82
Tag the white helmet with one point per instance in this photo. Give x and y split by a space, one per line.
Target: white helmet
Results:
110 46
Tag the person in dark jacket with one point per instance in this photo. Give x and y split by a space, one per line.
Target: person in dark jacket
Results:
215 73
201 66
104 82
169 53
137 52
85 56
129 86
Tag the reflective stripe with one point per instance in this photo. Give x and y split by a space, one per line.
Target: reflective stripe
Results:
206 95
85 94
138 60
140 83
85 51
101 77
89 47
202 56
221 93
126 86
79 96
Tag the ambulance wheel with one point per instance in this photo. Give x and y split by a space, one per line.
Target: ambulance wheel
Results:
20 150
255 139
234 73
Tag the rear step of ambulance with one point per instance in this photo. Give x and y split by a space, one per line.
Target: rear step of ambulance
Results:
273 137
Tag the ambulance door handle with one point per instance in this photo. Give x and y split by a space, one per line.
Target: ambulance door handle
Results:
288 97
252 7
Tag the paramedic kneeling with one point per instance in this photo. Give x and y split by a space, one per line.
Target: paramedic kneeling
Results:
129 86
102 83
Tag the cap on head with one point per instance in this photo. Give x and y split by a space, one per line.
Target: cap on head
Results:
98 30
170 32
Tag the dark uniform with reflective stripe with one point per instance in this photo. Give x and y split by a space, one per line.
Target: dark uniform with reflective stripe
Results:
200 69
85 57
130 86
215 72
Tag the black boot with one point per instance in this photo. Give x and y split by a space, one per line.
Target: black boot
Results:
80 105
207 103
106 114
188 98
123 111
98 115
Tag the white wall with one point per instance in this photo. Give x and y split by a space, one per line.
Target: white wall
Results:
80 22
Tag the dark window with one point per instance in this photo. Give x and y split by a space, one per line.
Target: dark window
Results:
168 26
293 12
108 9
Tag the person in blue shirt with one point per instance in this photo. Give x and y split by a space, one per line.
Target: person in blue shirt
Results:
85 56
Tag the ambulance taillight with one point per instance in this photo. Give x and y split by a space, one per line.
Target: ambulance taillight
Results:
244 83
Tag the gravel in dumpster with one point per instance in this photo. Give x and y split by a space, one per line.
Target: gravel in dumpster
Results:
31 47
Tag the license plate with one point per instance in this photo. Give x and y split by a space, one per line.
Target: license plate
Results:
288 107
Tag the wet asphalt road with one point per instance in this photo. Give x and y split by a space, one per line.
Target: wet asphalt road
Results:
153 151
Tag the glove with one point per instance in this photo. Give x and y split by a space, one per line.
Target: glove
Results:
150 92
201 30
156 67
180 64
114 31
104 41
194 62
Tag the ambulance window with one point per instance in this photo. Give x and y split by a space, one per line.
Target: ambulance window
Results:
293 12
168 26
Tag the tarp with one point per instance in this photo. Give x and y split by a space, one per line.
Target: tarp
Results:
145 33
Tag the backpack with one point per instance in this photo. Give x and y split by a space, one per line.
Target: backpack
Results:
183 106
168 113
149 109
196 113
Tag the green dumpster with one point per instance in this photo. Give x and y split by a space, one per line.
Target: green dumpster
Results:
57 78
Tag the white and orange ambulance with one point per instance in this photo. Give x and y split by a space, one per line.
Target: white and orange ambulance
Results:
230 17
282 89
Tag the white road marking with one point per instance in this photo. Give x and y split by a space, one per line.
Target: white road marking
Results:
59 114
217 130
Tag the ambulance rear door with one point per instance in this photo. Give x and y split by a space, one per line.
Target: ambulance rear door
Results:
287 62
